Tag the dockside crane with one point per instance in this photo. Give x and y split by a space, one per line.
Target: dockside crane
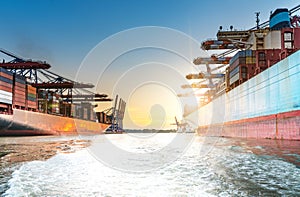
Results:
40 77
228 42
114 115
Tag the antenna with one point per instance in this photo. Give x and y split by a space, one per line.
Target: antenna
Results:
257 19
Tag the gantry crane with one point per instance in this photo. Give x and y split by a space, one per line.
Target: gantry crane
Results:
43 79
229 42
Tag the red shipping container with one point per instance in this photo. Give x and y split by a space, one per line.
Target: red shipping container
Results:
6 75
19 89
2 83
18 92
5 88
20 85
19 96
18 99
31 104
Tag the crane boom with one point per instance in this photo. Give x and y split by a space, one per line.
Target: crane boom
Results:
12 55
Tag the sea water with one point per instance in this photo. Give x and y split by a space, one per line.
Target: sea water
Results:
205 166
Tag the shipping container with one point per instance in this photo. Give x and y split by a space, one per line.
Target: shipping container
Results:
65 109
19 96
3 70
20 100
248 53
4 79
18 88
85 113
31 104
234 71
33 92
42 106
73 110
234 78
93 115
5 97
5 100
20 92
42 94
8 85
52 107
250 60
237 62
7 76
31 95
31 99
20 85
31 89
242 54
5 88
20 79
102 118
5 93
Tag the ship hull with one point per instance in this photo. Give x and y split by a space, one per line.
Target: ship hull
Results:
277 126
266 106
23 123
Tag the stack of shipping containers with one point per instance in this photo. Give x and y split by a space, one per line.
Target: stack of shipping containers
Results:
73 111
15 91
247 64
86 110
31 98
53 100
6 87
65 109
42 101
83 110
242 67
19 92
102 117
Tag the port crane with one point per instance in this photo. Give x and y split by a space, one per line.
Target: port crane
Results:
231 41
58 95
115 116
22 64
41 77
181 126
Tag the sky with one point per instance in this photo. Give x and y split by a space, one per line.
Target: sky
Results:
68 33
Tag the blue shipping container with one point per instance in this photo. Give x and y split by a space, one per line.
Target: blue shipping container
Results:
6 71
4 79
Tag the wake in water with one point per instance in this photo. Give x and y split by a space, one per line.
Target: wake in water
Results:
209 167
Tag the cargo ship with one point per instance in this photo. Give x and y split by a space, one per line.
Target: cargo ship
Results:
257 94
36 101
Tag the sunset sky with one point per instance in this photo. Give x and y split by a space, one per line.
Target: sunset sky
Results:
140 50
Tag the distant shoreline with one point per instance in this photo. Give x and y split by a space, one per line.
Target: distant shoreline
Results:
150 131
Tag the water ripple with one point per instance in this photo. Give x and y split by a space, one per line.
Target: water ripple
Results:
227 170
